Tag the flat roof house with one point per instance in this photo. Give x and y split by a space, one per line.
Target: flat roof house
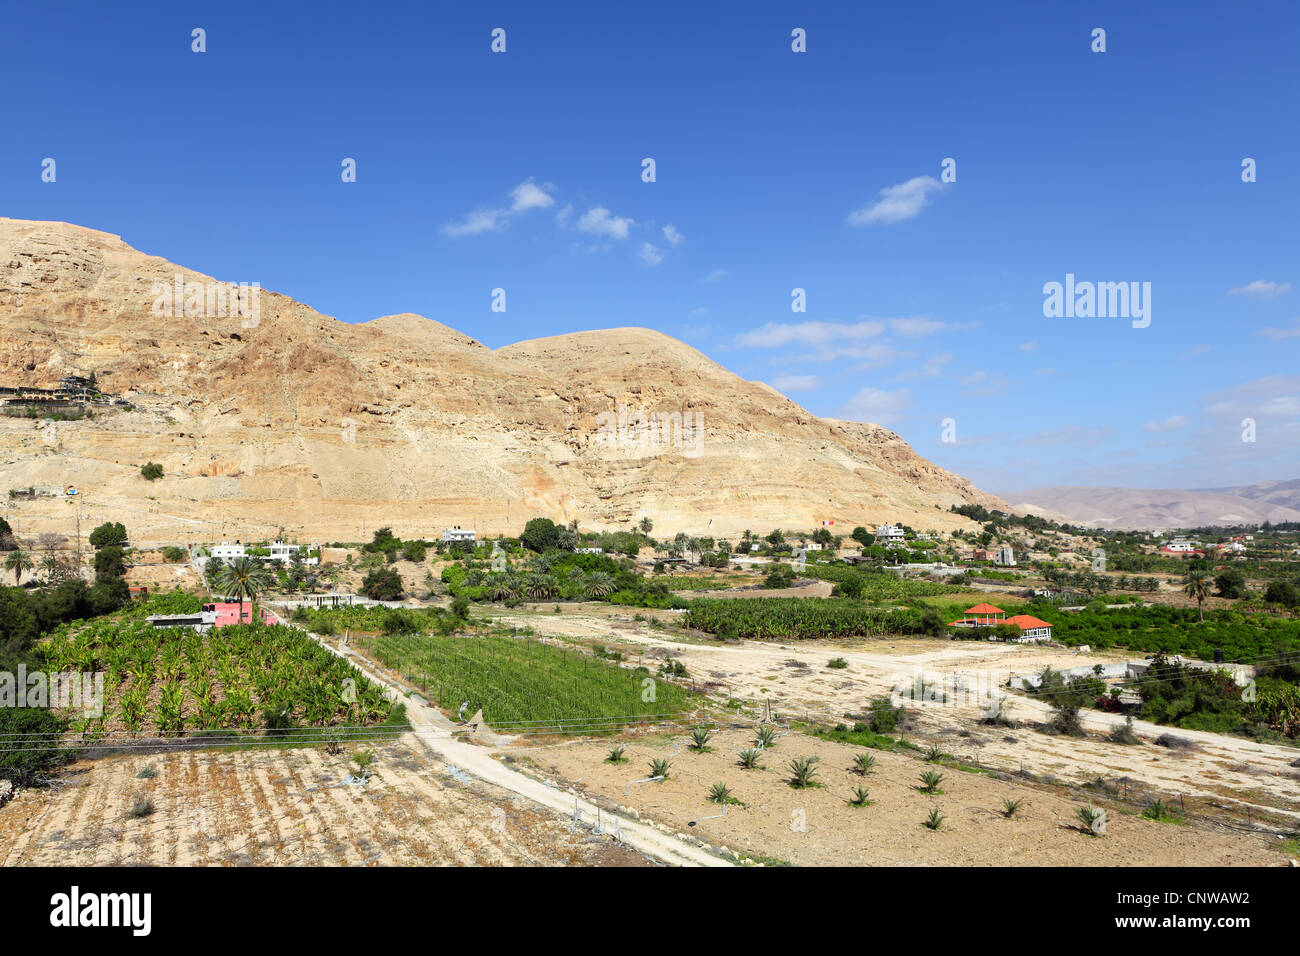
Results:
457 533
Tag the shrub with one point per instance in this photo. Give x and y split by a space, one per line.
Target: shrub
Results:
930 781
141 806
720 793
616 754
859 798
26 760
151 471
1011 807
837 663
863 763
659 767
802 771
1092 819
935 820
749 758
382 584
699 737
765 737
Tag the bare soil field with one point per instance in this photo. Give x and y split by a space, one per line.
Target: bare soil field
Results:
272 807
1243 780
817 826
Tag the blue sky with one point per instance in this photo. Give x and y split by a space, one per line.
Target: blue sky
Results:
775 170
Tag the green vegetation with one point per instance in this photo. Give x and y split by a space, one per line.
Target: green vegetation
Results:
802 770
800 618
930 780
151 471
175 680
514 680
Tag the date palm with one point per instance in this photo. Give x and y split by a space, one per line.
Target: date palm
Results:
243 578
19 562
1197 585
598 584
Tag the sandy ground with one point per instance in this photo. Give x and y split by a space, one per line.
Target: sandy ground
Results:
818 827
1244 779
288 807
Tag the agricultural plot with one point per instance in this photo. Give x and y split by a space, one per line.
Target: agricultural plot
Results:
798 618
515 680
176 681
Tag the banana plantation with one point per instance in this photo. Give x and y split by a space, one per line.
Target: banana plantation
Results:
175 681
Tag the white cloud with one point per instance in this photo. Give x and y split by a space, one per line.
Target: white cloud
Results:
715 275
876 405
774 335
481 220
918 326
562 217
932 368
897 203
795 383
674 237
1027 346
527 195
599 221
650 254
1279 334
1166 425
1262 289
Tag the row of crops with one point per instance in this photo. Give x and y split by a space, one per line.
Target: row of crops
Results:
175 681
1152 628
514 680
878 585
801 618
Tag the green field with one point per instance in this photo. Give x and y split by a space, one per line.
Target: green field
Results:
519 679
801 618
176 681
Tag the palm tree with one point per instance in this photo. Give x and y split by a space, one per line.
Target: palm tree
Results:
1197 584
51 566
647 525
539 587
19 562
598 584
243 578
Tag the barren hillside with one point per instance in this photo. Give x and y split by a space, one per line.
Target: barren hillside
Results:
328 430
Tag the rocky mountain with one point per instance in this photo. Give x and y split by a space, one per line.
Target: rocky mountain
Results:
294 420
1133 508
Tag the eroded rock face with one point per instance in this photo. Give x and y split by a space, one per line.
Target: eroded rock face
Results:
329 430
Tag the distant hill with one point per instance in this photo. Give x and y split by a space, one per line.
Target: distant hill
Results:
1143 508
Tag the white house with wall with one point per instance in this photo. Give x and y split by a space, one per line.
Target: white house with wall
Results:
889 534
458 534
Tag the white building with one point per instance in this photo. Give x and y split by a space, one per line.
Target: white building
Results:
1005 556
281 553
588 550
457 533
889 534
225 551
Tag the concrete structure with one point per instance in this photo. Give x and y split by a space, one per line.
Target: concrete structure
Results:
457 534
889 534
281 553
1005 557
220 614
